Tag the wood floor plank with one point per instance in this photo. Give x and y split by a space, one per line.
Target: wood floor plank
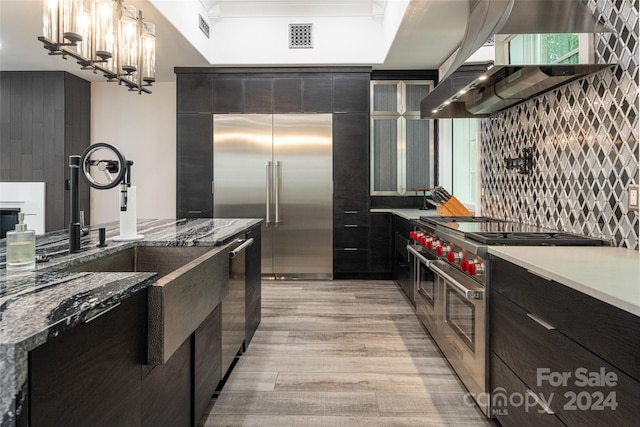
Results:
338 421
251 381
341 353
363 382
295 403
316 364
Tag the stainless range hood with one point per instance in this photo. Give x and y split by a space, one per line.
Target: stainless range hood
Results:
479 90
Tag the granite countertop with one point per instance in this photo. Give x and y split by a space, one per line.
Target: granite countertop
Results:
609 274
36 306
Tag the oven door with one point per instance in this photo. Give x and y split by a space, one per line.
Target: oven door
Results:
425 289
462 326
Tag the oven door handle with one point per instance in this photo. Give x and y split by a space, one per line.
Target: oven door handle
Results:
470 294
419 256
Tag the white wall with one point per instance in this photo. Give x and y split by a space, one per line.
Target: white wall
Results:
143 127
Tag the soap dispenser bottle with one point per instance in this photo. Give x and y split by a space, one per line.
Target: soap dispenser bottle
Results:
21 247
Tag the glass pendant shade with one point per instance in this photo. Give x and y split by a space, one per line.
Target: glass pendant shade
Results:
50 20
84 26
148 52
105 28
128 40
72 12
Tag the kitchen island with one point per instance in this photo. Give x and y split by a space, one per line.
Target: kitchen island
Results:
40 307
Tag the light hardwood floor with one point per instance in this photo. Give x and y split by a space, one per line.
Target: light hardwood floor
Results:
341 353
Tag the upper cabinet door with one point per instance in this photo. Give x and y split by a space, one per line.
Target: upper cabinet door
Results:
287 95
414 92
387 97
317 95
227 95
258 95
194 93
398 97
402 145
351 94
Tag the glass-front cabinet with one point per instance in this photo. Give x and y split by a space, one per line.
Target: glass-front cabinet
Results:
402 144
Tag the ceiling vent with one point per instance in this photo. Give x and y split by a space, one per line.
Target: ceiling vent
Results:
300 36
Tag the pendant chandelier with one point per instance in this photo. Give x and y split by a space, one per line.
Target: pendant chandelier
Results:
105 36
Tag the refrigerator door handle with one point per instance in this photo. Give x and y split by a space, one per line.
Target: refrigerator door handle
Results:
268 202
276 189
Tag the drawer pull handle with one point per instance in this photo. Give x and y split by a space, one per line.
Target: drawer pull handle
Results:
350 249
539 275
540 403
541 322
351 226
351 212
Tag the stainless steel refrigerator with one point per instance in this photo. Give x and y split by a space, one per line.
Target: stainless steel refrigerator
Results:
279 167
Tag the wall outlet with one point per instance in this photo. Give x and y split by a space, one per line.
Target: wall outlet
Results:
633 197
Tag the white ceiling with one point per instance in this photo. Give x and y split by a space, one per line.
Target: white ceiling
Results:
430 30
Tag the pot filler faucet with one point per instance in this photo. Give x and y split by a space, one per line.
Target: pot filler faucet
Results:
109 173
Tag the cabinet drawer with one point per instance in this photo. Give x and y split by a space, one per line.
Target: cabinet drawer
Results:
504 384
402 226
400 242
536 353
609 332
350 235
350 260
342 217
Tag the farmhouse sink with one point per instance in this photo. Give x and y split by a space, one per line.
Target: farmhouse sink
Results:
192 281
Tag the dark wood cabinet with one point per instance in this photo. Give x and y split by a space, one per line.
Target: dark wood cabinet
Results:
194 167
166 391
258 95
317 95
207 371
194 93
351 161
608 331
287 95
91 374
253 290
551 338
402 269
507 385
351 94
351 217
45 116
380 243
227 95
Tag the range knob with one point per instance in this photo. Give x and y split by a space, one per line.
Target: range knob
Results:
474 268
453 256
440 249
464 264
422 240
429 244
413 235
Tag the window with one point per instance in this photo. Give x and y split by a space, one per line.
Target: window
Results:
523 49
464 151
458 145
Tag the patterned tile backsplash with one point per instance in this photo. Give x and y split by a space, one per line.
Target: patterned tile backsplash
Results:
584 138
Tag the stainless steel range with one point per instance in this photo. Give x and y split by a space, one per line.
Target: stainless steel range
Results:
450 284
